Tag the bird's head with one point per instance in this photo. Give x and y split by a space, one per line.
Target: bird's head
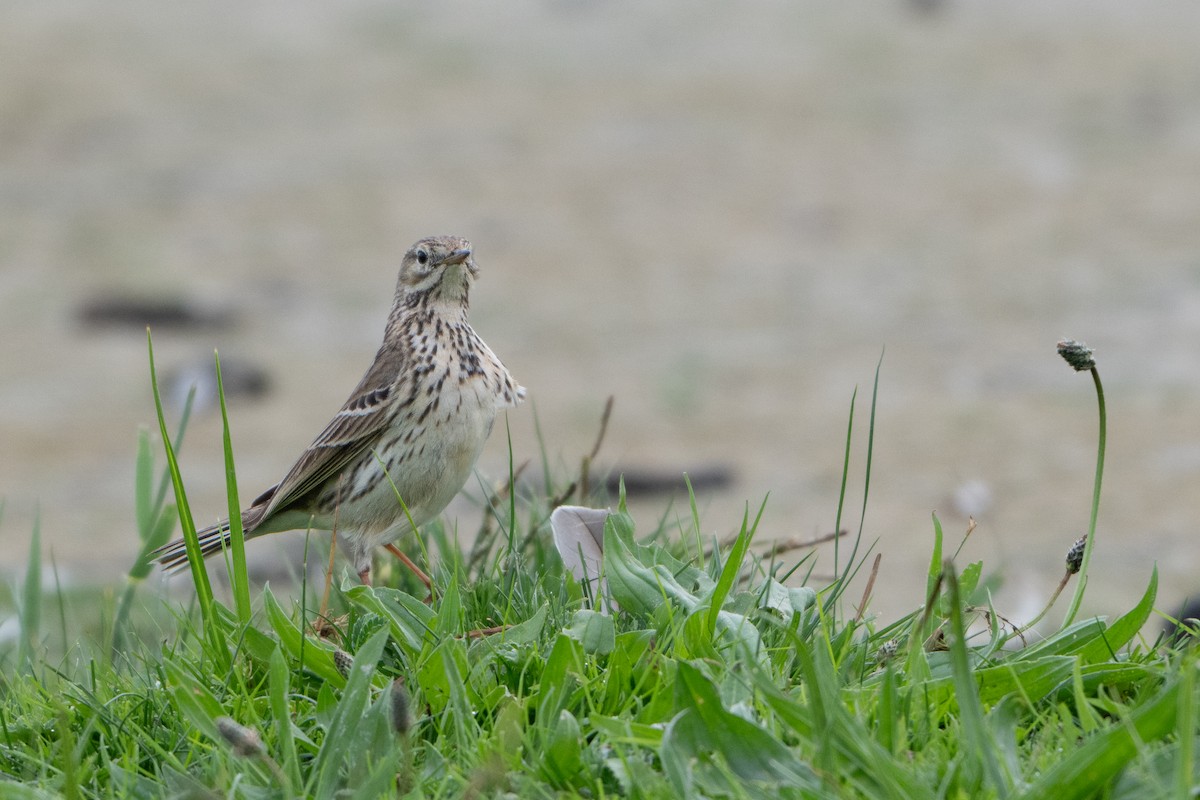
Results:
437 269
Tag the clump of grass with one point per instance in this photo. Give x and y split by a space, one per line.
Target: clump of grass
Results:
711 678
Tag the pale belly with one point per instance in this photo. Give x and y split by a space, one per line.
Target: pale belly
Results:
428 466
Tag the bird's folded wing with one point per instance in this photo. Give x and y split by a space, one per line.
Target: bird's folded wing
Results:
352 432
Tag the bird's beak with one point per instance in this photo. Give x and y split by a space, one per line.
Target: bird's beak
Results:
458 256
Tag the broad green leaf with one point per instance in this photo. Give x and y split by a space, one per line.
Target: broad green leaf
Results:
314 654
750 751
411 620
595 631
527 632
1117 635
562 759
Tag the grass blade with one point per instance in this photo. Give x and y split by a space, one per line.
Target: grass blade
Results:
1103 756
204 593
31 599
237 540
980 750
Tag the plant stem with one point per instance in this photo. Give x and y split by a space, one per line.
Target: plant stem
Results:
1077 599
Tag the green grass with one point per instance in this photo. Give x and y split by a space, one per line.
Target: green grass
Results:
710 677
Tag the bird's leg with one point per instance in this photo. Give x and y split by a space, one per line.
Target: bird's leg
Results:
408 562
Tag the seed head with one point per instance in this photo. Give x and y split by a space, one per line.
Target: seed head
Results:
244 741
1075 556
343 661
1077 354
401 719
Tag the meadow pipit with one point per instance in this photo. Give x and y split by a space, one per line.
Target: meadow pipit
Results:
417 419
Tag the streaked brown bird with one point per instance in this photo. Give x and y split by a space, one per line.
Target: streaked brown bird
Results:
413 426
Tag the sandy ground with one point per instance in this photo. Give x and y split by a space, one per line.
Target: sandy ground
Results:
722 215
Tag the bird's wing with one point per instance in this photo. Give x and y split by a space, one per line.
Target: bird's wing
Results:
353 431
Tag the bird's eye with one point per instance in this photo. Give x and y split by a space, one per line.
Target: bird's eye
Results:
422 257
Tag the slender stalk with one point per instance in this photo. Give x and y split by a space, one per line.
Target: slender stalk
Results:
1077 599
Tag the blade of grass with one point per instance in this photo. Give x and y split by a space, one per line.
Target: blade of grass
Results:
733 565
979 751
1102 757
155 520
237 539
1185 764
844 576
204 593
837 524
279 688
31 599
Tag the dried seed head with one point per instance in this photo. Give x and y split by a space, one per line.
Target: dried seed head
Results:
1075 556
1077 354
244 741
401 719
343 661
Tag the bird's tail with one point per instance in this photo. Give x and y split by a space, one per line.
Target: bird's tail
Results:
174 556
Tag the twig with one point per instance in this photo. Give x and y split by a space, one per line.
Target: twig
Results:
585 466
608 407
780 545
869 587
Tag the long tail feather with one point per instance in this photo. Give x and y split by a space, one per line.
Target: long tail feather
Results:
174 556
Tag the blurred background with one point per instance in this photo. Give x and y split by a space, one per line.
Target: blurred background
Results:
722 214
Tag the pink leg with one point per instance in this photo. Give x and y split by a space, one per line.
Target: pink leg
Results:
420 573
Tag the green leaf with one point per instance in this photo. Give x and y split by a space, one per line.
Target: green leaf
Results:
935 561
443 684
620 730
338 741
411 620
512 717
733 566
595 631
1033 679
278 689
258 645
1106 644
562 760
558 680
968 581
641 577
978 750
313 654
1101 757
705 725
193 700
449 620
525 633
